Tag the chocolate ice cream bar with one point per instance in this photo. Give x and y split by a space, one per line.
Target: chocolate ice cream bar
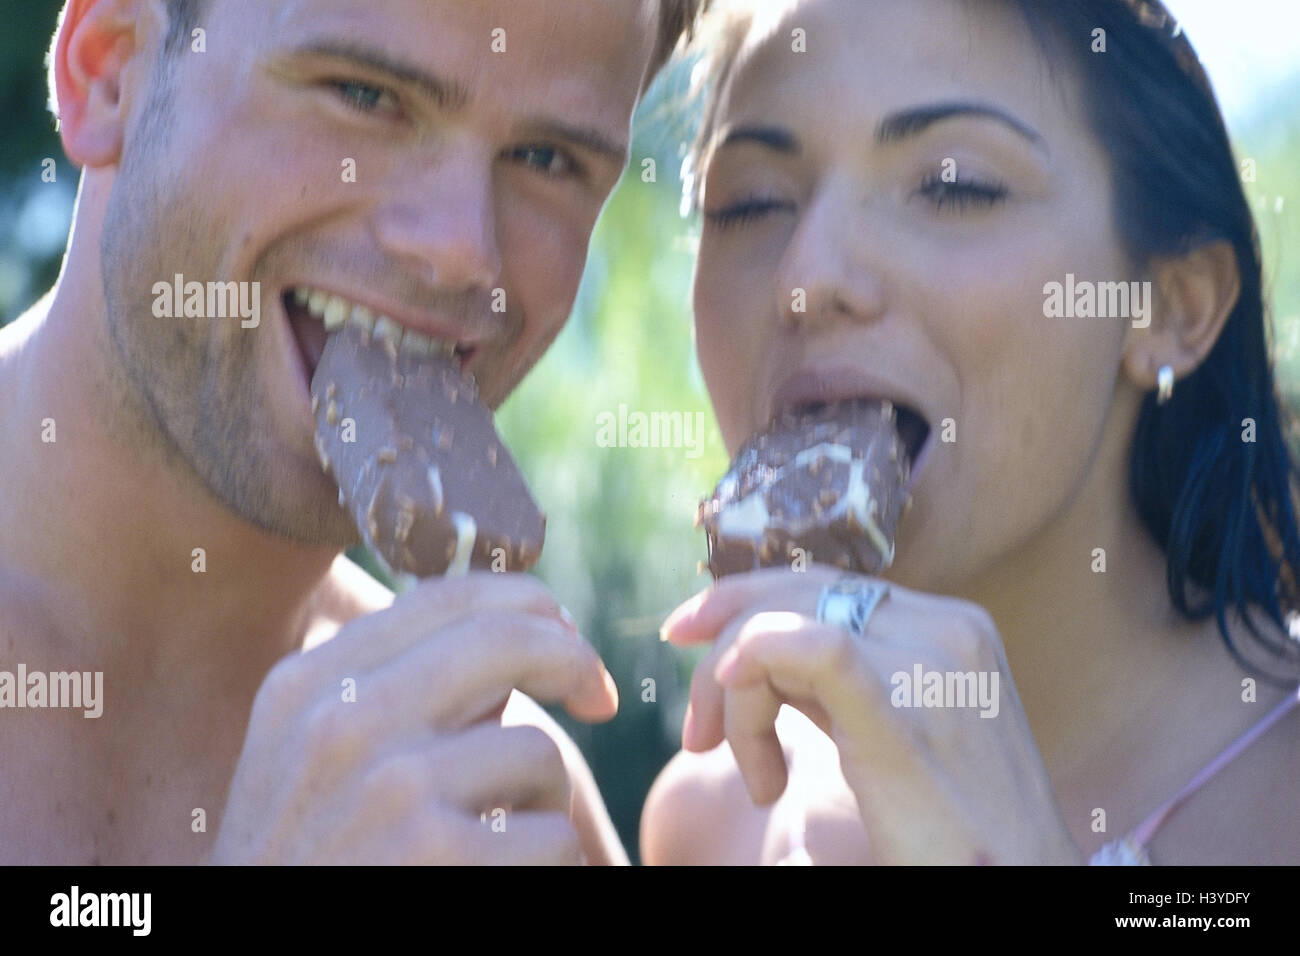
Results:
418 461
830 481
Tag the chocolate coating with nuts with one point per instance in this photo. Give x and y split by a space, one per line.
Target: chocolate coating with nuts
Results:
830 481
428 483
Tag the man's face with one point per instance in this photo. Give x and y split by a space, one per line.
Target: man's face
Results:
485 138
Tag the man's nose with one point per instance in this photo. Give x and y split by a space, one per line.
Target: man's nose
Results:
442 220
828 271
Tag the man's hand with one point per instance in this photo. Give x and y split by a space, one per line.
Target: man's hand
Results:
405 773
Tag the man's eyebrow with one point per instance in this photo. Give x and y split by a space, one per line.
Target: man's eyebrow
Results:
448 94
586 137
773 137
913 122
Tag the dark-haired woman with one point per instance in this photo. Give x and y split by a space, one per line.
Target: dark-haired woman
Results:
892 193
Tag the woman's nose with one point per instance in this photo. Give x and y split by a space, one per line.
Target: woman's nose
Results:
442 220
828 272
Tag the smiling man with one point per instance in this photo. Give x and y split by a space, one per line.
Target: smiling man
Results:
164 520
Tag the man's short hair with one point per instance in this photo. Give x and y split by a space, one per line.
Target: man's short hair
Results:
182 17
677 20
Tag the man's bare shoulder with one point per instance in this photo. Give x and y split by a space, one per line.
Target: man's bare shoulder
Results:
346 593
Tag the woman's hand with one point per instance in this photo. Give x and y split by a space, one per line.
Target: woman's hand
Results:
933 784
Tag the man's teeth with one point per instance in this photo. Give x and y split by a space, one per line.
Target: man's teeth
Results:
335 312
386 328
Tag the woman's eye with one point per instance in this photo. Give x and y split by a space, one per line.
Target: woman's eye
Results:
745 211
548 160
363 97
962 193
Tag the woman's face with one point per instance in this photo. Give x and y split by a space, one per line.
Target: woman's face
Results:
882 212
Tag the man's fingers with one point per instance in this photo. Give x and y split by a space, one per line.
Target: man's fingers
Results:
527 839
432 604
466 672
508 768
484 768
443 837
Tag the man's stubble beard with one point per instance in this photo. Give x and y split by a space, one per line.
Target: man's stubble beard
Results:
186 391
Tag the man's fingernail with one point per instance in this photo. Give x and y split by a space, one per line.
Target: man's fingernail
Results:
568 618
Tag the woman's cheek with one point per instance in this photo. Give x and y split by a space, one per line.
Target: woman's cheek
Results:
729 304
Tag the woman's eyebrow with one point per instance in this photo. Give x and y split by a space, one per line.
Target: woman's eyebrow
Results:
913 122
773 137
894 127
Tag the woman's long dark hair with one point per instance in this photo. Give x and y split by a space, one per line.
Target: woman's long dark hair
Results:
1220 505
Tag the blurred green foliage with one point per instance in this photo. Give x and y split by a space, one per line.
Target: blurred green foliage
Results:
620 550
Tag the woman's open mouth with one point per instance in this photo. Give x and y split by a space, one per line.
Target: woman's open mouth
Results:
913 429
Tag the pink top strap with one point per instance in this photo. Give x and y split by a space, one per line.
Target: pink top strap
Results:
1132 849
1147 828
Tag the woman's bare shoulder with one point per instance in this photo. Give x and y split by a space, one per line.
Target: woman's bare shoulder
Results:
1248 813
698 813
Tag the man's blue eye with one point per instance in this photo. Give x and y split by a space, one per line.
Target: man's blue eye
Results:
359 96
546 159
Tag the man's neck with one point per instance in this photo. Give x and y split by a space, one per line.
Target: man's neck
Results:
113 521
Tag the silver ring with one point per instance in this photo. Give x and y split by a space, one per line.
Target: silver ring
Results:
848 603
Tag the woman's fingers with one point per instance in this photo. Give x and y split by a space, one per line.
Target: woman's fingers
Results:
824 671
717 615
750 721
705 729
701 618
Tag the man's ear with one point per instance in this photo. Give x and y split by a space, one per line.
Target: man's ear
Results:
1192 297
98 67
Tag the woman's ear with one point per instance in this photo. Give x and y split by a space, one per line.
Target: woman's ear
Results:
96 55
1193 296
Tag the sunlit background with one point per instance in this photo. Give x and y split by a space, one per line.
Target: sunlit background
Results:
620 549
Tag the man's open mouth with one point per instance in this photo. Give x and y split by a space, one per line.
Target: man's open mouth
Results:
314 314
